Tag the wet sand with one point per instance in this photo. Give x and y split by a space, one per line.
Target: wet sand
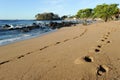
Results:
72 53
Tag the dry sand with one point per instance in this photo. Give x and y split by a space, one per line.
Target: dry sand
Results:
74 53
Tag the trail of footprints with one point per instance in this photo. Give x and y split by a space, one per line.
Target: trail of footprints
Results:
45 47
102 69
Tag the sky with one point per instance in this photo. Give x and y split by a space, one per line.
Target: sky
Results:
27 9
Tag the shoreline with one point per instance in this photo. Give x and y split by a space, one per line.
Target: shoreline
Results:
24 32
27 38
71 53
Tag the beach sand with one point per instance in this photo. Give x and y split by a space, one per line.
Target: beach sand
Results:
72 53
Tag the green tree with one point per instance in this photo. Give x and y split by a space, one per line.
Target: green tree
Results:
72 16
85 13
105 11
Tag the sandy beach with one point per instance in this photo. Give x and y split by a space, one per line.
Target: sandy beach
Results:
89 52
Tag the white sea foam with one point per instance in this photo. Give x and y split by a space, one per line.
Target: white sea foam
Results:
22 37
11 36
7 41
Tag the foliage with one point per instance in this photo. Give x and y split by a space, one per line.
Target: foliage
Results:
84 13
72 16
64 17
47 16
105 11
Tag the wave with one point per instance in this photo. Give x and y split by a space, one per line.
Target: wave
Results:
6 41
11 38
14 39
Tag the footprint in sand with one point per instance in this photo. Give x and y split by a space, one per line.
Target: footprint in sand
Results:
44 48
102 40
99 46
28 53
57 43
108 33
102 69
81 34
66 40
54 66
84 59
20 56
105 38
76 37
108 41
97 50
4 62
118 59
88 59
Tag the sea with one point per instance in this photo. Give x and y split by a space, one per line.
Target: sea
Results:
11 36
15 35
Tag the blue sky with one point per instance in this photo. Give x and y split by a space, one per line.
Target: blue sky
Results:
27 9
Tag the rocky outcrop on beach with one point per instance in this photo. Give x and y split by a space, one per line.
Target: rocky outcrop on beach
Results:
52 25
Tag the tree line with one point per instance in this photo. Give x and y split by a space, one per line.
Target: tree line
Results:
103 11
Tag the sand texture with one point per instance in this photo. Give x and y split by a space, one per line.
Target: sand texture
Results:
72 53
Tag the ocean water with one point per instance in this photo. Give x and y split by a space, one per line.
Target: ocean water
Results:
11 36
